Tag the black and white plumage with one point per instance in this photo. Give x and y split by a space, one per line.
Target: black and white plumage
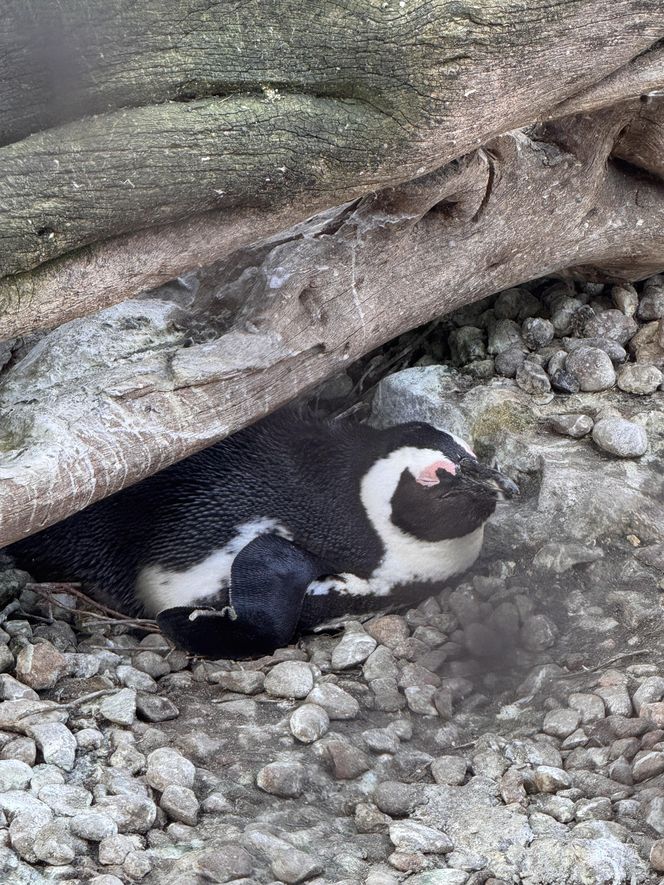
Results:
278 528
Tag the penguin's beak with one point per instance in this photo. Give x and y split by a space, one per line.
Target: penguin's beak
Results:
488 478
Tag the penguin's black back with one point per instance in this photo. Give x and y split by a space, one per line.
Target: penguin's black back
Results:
302 473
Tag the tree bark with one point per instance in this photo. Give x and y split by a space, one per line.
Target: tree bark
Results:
103 402
206 116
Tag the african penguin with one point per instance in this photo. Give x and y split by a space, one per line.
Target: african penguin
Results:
282 526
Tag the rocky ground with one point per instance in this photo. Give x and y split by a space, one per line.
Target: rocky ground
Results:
508 729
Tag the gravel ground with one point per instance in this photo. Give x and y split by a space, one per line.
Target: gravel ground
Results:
510 728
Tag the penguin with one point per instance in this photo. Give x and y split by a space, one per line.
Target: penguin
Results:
278 528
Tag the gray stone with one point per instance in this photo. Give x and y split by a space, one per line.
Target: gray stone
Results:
309 723
381 740
504 334
354 648
293 866
22 749
398 799
611 324
137 865
575 425
93 826
599 808
639 379
547 779
151 663
650 691
620 437
651 305
11 689
14 775
592 368
412 836
345 761
105 879
616 699
289 679
114 849
533 379
166 767
155 708
241 681
336 702
563 309
510 361
56 742
565 382
131 813
647 765
538 632
625 298
380 665
40 666
561 723
65 800
466 345
420 699
136 679
537 332
181 804
53 845
589 706
286 779
119 707
560 558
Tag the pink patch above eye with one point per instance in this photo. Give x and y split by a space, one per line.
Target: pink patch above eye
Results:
428 477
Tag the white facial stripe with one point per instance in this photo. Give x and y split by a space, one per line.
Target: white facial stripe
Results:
158 589
406 558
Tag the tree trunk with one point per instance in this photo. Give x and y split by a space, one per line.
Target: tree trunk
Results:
276 112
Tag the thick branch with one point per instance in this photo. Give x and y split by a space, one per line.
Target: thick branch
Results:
101 403
368 98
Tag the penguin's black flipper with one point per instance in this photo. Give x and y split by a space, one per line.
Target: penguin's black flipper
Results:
269 578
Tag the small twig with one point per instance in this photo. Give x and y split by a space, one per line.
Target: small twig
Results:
49 588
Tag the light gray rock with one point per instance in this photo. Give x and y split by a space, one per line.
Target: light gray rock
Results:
412 836
309 723
466 345
241 681
166 766
137 679
56 743
510 361
65 800
294 866
381 740
620 437
151 663
93 826
650 691
592 368
119 707
651 305
504 334
14 775
575 425
532 378
289 679
132 814
53 844
560 557
354 648
380 665
561 723
155 708
625 298
40 666
181 804
337 703
286 779
537 332
639 379
449 770
137 865
114 849
11 689
613 324
589 706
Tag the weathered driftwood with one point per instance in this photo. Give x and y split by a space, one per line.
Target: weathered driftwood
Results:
102 402
227 122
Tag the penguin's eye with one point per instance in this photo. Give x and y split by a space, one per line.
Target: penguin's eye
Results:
429 475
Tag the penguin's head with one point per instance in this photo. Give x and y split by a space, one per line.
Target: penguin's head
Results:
430 484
